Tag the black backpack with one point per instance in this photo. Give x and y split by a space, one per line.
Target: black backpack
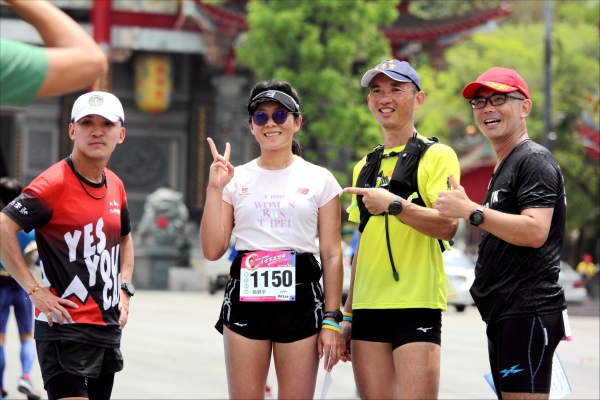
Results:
403 182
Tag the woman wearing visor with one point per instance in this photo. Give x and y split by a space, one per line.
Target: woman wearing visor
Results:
276 206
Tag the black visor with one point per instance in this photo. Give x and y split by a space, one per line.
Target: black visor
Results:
274 95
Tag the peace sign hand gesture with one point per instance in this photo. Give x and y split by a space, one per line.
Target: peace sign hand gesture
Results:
221 171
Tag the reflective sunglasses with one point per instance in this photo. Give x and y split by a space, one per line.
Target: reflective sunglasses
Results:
279 117
496 99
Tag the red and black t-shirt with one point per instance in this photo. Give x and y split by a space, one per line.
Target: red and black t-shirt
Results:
78 233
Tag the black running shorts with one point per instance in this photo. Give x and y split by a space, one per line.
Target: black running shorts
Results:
281 322
521 352
80 359
397 326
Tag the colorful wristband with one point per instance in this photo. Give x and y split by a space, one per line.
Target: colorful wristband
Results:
347 314
333 328
349 319
326 322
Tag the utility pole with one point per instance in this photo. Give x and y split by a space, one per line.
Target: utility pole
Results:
549 137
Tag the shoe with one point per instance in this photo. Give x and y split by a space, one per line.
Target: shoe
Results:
25 386
3 393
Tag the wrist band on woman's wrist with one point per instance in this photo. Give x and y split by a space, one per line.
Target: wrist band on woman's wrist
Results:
333 328
34 290
326 322
349 319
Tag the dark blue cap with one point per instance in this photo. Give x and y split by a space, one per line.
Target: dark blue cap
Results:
400 71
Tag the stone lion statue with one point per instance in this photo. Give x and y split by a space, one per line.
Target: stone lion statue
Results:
164 219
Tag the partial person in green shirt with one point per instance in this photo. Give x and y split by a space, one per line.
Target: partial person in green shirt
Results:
70 60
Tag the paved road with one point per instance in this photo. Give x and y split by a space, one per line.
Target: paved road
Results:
172 351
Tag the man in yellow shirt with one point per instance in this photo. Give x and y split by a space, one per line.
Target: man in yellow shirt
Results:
398 285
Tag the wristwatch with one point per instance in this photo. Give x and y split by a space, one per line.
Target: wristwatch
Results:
337 315
395 206
476 217
128 288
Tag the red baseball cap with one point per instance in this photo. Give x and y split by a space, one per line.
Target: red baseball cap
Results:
503 80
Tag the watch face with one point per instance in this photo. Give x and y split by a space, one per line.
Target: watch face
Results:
395 208
337 315
476 218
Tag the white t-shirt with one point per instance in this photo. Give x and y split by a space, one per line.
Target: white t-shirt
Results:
278 210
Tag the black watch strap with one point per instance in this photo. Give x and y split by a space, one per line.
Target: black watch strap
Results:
337 315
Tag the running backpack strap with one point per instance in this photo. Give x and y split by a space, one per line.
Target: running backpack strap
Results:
368 178
404 180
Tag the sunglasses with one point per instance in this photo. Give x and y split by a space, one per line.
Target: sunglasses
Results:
279 117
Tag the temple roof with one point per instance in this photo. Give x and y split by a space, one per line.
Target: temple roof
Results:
410 28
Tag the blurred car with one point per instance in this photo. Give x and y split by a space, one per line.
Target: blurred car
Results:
217 272
573 284
460 270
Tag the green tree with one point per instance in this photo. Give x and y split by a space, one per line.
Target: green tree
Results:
322 48
436 9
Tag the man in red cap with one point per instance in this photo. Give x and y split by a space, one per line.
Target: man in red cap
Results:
523 218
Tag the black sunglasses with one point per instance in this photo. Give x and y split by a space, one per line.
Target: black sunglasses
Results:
279 117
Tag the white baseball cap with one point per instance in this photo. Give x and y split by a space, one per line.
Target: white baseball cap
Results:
99 103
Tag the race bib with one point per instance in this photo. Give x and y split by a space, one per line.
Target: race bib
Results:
268 276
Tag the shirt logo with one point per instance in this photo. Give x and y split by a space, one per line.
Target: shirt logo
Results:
96 100
302 191
244 191
494 198
115 210
424 329
512 370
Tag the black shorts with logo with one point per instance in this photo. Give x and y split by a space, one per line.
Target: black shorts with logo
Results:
521 352
397 326
282 322
80 359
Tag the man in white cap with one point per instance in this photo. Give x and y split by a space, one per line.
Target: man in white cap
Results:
78 209
393 314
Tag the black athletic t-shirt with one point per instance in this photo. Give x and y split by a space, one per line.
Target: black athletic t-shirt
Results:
78 238
514 281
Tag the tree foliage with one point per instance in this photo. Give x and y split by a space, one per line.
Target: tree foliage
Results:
436 9
322 48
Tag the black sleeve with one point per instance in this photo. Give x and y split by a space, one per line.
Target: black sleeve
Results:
538 182
125 222
29 211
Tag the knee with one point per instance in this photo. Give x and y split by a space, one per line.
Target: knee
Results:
26 336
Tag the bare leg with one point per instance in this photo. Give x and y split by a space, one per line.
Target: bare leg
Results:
296 365
374 373
418 370
247 363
